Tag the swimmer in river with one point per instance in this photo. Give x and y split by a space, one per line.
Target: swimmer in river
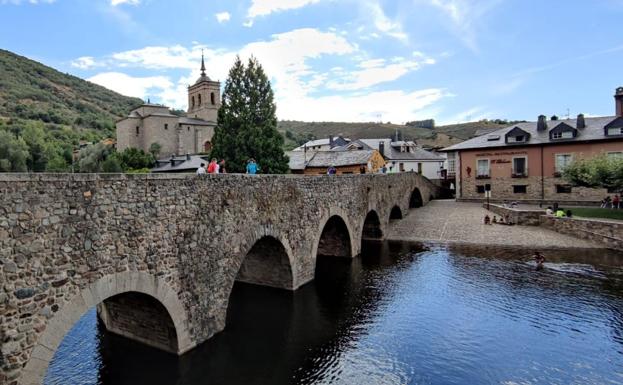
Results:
539 259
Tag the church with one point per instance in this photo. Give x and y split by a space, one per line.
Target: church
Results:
152 123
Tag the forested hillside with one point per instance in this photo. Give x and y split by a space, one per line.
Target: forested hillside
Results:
44 114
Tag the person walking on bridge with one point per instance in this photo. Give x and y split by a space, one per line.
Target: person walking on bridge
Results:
252 167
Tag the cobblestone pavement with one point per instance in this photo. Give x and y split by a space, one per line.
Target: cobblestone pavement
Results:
459 222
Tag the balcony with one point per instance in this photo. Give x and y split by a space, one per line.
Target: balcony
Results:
483 177
519 174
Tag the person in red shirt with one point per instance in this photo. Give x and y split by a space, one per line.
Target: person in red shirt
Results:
616 202
212 167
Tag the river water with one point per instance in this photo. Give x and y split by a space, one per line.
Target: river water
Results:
399 314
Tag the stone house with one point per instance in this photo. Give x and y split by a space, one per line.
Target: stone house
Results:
345 162
192 134
524 162
402 156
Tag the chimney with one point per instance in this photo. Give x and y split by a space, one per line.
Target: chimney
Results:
382 148
172 160
542 123
331 144
618 97
581 122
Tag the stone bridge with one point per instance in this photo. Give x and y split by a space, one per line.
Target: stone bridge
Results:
158 255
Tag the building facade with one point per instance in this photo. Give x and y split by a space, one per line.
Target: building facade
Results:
524 162
150 123
405 156
345 162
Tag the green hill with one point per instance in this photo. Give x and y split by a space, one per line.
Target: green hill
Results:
33 91
45 114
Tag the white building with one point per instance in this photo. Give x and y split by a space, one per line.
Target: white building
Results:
402 156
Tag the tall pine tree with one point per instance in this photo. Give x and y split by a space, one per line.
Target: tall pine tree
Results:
247 124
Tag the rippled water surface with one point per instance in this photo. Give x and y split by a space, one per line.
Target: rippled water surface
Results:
399 314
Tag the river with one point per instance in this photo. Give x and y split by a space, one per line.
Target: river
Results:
399 314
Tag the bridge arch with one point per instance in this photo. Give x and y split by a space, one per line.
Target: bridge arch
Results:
335 237
395 214
137 285
268 262
371 228
416 201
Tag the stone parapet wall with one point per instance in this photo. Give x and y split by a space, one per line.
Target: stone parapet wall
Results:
608 233
69 242
518 216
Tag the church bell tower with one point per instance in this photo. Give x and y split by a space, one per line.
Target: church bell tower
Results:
204 97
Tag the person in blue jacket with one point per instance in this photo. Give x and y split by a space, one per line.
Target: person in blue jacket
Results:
251 166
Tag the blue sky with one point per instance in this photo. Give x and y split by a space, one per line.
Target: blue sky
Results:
342 60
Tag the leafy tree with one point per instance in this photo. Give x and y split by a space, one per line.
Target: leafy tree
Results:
602 172
57 164
13 153
154 149
247 123
134 159
111 165
92 157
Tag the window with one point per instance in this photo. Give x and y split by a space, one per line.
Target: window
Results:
419 168
192 102
137 131
615 131
562 161
166 126
199 99
401 167
563 189
520 167
517 139
615 155
482 168
520 189
452 163
480 189
562 135
188 128
212 98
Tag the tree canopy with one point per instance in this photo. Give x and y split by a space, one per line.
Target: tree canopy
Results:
247 122
602 172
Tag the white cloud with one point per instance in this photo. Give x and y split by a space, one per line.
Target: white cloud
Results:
223 17
393 105
384 24
132 86
302 89
266 7
465 16
375 72
84 62
34 2
158 57
114 3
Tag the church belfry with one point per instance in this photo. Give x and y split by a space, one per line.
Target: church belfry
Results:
204 97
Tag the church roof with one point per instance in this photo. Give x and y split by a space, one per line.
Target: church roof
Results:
203 77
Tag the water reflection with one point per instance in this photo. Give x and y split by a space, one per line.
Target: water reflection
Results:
400 314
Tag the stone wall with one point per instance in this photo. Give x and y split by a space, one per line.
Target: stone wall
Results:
601 231
518 216
141 318
70 242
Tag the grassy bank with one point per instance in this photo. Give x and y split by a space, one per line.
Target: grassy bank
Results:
597 213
